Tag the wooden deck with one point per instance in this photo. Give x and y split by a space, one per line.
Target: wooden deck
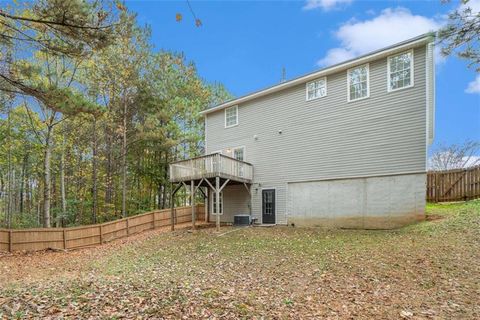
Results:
211 166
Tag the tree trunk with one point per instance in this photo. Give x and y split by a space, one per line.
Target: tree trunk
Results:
8 215
47 178
165 179
124 158
23 183
94 172
62 184
109 180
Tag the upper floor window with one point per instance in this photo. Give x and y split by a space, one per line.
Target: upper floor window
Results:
358 83
400 71
317 89
231 116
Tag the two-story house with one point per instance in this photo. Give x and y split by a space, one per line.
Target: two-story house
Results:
345 146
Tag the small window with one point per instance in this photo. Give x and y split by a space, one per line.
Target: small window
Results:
358 83
316 89
239 153
400 69
231 116
214 202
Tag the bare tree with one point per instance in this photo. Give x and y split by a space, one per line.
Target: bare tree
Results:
455 156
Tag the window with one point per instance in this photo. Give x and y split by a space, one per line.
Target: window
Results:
239 153
316 89
400 71
214 202
358 83
231 116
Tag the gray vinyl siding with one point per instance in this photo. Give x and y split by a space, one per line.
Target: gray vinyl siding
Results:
328 138
236 200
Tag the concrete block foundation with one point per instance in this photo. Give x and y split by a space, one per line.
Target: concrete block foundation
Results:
362 203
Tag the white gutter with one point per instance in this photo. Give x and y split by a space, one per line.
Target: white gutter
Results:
336 68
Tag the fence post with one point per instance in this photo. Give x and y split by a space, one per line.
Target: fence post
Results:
153 220
128 228
64 239
101 234
10 244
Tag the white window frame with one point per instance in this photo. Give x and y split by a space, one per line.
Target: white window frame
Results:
212 206
236 112
244 152
368 82
389 87
316 80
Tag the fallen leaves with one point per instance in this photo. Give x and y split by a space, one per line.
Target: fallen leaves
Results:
278 273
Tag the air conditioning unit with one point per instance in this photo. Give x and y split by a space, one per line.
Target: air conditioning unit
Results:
241 220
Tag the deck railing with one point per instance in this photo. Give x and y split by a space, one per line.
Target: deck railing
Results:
209 166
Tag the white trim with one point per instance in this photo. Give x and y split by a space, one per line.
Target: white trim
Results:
368 82
412 71
430 94
430 98
261 203
426 38
306 88
205 130
236 111
287 204
427 104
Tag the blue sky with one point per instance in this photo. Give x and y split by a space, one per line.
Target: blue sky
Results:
245 44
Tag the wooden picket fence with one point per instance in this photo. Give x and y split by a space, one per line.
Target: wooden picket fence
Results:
453 185
91 235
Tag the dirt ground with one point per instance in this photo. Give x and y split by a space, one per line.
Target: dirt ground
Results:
429 270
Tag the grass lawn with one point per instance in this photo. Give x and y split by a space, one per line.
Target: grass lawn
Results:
430 270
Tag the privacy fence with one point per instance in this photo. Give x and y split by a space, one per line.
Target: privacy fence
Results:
453 185
86 236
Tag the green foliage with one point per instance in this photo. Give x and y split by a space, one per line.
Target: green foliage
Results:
462 34
69 102
83 101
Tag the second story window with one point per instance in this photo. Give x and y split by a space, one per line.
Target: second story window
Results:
317 89
231 116
400 71
358 83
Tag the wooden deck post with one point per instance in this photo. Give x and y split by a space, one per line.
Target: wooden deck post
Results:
10 241
207 205
192 194
172 203
217 204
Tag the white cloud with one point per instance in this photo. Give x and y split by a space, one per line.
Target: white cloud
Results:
390 27
473 4
474 86
325 4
